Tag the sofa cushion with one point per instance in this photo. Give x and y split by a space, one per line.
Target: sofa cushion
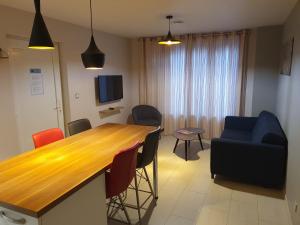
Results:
268 130
236 135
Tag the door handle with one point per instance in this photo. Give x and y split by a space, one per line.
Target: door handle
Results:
12 220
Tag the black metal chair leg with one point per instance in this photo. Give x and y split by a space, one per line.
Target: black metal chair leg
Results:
137 198
149 183
199 136
175 145
108 206
125 210
186 146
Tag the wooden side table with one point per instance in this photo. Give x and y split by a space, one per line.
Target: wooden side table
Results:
187 135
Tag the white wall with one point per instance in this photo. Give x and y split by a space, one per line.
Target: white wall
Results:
283 100
73 40
262 71
135 63
288 109
250 72
8 130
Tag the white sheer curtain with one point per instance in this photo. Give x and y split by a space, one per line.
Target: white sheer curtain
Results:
196 83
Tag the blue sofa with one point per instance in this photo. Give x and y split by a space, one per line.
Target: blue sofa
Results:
251 149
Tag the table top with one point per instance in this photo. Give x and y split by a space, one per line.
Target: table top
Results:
35 181
189 133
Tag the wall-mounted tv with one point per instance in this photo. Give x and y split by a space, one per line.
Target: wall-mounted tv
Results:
110 88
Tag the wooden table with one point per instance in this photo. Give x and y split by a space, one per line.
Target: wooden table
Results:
42 183
187 135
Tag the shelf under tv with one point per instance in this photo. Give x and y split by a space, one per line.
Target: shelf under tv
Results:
110 111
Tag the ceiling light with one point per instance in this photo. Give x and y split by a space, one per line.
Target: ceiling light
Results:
40 37
93 58
169 40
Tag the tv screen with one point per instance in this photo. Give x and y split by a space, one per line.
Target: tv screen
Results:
110 88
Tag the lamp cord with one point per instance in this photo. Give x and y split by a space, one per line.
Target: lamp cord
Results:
91 13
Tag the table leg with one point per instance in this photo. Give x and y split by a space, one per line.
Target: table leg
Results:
199 136
186 146
175 145
155 176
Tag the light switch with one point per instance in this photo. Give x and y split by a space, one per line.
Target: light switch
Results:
77 95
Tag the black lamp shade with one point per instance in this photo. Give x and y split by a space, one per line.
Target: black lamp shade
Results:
40 37
93 58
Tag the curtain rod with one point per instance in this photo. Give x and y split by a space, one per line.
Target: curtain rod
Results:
217 33
211 34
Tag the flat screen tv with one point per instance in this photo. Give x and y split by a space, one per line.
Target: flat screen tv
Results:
110 88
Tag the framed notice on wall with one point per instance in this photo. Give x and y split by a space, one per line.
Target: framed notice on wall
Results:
287 57
37 81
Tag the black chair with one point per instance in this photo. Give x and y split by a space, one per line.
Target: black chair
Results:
146 115
145 158
79 126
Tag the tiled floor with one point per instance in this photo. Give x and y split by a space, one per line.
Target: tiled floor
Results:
188 196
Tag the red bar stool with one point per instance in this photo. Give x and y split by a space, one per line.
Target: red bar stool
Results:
119 177
47 136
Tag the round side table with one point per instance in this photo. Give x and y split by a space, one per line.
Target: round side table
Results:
187 135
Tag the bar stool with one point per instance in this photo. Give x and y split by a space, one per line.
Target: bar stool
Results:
144 159
79 126
119 177
47 136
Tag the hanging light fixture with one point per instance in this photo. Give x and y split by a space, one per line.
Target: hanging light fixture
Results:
93 58
40 37
169 39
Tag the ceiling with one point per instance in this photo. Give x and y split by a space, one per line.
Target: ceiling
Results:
136 18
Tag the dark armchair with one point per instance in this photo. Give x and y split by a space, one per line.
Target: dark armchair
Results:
146 115
79 126
251 149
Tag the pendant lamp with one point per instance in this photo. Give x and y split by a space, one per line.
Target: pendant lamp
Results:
169 39
40 37
92 58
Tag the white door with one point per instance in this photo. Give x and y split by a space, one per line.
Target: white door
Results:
37 90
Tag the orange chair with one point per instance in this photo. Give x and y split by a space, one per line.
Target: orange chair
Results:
47 136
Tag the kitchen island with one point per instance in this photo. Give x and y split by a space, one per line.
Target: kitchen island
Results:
64 183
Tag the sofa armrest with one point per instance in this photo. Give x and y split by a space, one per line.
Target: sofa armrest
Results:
240 123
